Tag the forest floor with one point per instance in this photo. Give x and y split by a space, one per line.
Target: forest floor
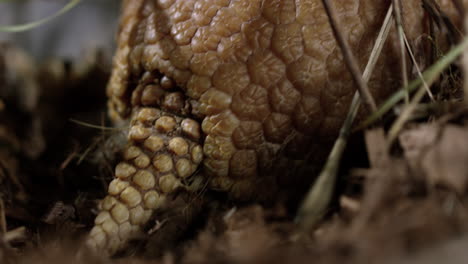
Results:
403 204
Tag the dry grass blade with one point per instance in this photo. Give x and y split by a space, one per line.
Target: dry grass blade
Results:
95 142
430 75
442 21
379 44
94 126
7 236
29 26
348 56
92 146
15 234
465 67
315 204
408 47
401 33
408 110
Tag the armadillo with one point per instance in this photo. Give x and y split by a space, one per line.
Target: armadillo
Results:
233 90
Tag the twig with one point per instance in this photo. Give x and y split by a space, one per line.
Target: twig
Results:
315 204
349 57
399 26
69 158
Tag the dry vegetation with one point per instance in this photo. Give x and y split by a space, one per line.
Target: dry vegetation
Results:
401 196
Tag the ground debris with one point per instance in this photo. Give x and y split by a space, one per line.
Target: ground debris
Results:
440 153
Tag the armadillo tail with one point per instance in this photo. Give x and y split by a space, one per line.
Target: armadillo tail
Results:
163 151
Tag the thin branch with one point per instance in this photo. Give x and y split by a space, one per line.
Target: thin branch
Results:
349 58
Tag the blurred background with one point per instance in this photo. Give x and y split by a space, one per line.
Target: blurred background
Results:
50 75
90 25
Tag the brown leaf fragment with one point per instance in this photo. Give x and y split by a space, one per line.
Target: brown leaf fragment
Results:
376 147
415 142
440 154
350 205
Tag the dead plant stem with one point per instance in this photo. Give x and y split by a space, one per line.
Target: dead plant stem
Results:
317 200
408 47
429 75
399 26
348 56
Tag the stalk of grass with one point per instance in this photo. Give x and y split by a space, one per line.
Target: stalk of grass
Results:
317 200
415 63
429 76
95 126
405 115
348 56
401 33
31 25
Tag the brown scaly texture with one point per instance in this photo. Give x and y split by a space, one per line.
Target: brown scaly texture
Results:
264 79
163 150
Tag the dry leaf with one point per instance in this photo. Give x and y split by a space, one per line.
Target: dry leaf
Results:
441 154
